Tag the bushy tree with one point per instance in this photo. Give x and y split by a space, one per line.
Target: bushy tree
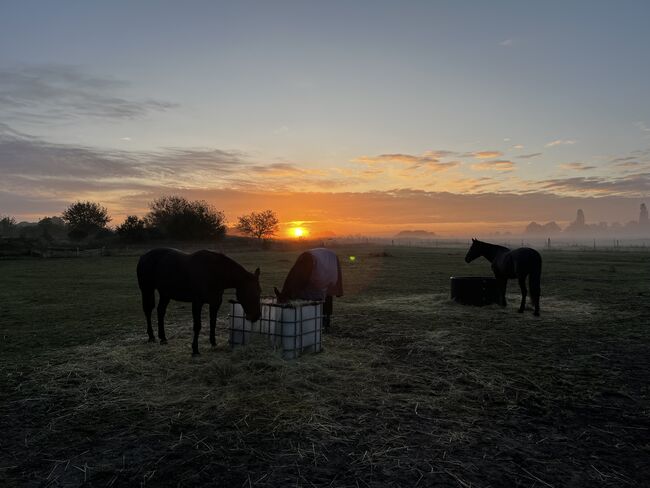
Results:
51 228
7 225
176 217
85 218
261 225
132 229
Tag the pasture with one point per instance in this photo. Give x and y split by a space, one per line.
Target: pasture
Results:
411 390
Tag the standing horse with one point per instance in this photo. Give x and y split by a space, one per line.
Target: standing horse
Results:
316 275
518 263
197 278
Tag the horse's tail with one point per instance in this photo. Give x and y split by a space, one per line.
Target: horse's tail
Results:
535 279
146 284
339 278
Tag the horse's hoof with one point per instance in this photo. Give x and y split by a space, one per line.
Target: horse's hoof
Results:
163 342
196 354
536 314
152 339
521 310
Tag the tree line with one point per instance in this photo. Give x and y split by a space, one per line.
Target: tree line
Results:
170 217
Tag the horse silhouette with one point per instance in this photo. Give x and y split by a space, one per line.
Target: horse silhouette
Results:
197 278
316 275
506 263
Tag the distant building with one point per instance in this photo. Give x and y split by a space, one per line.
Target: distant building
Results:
578 226
643 216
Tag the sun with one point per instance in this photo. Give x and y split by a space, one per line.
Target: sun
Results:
298 232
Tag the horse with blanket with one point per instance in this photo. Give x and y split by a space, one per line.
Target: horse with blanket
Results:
316 275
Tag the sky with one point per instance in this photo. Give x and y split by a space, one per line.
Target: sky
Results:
356 117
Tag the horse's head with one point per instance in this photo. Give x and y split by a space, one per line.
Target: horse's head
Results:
474 251
249 296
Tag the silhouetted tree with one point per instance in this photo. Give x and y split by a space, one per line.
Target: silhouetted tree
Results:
7 225
51 227
261 225
132 229
85 218
176 217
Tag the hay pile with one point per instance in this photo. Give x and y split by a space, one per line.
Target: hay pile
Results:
411 390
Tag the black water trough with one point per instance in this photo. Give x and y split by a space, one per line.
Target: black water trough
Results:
474 290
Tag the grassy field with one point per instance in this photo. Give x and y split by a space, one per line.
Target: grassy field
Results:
411 390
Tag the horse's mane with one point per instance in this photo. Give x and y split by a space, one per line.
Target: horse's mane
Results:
231 262
493 245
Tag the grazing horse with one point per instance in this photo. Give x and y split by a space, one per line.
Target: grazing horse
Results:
197 278
517 263
316 275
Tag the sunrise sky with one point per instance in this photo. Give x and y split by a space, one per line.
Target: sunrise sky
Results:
349 117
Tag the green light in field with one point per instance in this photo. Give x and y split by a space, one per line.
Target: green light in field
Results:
353 259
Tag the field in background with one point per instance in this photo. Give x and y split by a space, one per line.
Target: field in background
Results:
412 389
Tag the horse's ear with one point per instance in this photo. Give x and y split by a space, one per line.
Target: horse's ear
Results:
473 240
277 292
257 273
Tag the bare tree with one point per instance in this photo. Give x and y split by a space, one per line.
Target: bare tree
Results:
261 225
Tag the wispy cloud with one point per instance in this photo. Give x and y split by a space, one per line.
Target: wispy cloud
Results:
487 154
285 169
506 42
576 166
529 156
560 142
430 160
44 93
495 165
635 185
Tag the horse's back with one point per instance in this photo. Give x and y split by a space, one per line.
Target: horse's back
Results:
526 260
159 264
181 276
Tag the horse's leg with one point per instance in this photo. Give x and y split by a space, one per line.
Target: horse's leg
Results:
148 304
162 309
328 308
535 291
522 285
502 284
196 315
214 308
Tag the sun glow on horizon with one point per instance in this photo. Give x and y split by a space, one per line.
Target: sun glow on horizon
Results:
298 232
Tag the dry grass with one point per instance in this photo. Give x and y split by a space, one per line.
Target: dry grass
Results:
411 390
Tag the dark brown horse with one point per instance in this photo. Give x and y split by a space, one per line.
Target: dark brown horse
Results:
316 275
197 278
506 264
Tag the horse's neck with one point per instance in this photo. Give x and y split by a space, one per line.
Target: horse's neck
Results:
491 251
234 275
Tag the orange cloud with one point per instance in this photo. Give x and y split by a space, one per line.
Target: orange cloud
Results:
397 158
487 154
495 165
429 160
